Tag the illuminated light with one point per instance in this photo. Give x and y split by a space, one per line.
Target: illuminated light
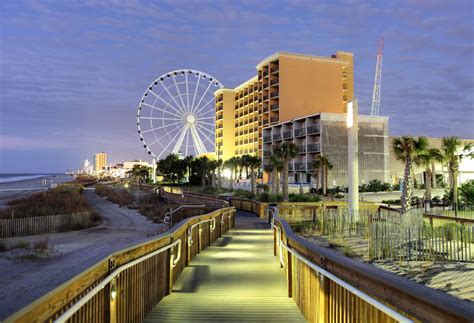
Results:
227 173
113 291
126 185
350 115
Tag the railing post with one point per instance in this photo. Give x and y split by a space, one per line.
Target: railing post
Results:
289 268
112 296
274 241
323 299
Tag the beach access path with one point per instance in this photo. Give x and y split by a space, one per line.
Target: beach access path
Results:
22 280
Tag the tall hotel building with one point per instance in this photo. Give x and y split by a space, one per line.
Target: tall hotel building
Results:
100 161
286 86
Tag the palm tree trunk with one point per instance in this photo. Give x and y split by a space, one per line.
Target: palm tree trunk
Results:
433 175
324 179
274 181
407 192
219 178
284 181
277 182
252 183
231 183
455 188
428 183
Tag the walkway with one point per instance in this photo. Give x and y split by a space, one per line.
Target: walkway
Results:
237 279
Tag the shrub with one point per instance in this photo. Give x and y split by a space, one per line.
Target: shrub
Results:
466 192
304 198
269 198
22 244
65 199
153 206
120 196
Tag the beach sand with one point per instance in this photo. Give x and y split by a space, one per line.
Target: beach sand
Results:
13 190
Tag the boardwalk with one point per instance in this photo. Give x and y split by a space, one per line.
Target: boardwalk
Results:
236 279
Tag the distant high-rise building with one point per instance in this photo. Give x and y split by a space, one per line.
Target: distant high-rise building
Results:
100 160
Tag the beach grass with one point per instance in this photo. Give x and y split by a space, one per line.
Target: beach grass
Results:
64 199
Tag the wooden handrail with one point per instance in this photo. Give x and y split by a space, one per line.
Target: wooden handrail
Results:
136 289
447 218
408 297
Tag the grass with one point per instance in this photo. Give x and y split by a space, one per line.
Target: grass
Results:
118 196
153 206
65 199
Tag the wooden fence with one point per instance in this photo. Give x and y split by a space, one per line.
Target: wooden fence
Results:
126 285
389 234
17 227
328 287
259 208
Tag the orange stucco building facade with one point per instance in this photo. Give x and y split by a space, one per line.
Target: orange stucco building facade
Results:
287 86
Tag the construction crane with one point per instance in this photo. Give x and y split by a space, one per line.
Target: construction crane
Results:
375 111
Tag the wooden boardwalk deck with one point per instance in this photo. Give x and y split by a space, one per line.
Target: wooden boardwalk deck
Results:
235 280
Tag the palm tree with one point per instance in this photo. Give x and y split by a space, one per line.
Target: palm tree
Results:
316 166
286 152
325 167
200 166
140 173
408 149
219 163
427 159
253 163
269 168
232 164
453 151
278 167
211 171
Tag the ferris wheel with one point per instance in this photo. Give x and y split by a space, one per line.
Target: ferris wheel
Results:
176 114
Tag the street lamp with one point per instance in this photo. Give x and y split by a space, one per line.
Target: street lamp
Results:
353 156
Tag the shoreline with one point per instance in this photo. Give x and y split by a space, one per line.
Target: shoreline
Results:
23 188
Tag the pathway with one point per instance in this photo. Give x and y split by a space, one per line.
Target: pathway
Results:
235 279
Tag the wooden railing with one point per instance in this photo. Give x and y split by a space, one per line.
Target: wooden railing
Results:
259 208
328 287
126 285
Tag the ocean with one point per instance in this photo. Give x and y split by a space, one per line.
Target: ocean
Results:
8 178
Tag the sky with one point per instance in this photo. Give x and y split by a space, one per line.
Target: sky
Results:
72 72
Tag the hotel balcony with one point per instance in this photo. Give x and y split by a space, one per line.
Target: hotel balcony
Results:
277 137
265 121
314 148
300 132
302 149
273 82
220 107
290 166
273 119
274 107
219 117
266 109
313 130
275 69
265 97
288 135
219 135
300 167
274 94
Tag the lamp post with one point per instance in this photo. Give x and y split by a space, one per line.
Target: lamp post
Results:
153 173
353 156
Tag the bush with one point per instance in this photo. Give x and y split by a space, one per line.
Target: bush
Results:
466 192
304 198
375 186
269 198
153 206
121 197
64 199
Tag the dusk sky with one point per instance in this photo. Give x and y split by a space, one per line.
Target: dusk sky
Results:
72 72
